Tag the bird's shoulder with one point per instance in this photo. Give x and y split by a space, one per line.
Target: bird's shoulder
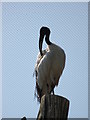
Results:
39 57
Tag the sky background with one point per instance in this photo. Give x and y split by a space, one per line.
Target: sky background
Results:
20 34
0 61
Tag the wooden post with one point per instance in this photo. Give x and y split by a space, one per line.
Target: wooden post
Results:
53 106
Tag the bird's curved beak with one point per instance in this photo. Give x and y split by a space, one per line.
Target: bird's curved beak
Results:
40 44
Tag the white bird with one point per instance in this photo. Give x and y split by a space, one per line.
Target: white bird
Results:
49 66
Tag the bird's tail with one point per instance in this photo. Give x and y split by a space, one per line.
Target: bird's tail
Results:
38 92
37 88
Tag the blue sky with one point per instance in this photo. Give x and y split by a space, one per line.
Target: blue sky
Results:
0 62
20 33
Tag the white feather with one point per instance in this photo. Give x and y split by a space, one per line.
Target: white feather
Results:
49 67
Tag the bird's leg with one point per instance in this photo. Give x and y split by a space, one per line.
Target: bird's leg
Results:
53 91
47 88
52 88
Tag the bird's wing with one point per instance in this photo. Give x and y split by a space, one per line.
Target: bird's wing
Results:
58 72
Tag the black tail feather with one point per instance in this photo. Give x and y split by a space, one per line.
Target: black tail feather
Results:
39 91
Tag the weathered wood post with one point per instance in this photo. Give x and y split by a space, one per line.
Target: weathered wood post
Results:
53 106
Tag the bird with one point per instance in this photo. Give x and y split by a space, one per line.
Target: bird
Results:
49 65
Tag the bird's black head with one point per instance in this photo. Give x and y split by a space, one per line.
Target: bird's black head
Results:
44 32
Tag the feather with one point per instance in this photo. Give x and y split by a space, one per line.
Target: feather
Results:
48 70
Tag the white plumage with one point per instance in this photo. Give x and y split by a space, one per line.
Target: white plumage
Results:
49 66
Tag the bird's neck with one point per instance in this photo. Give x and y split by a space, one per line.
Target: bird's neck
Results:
48 41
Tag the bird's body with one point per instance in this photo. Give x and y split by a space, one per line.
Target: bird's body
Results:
49 68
